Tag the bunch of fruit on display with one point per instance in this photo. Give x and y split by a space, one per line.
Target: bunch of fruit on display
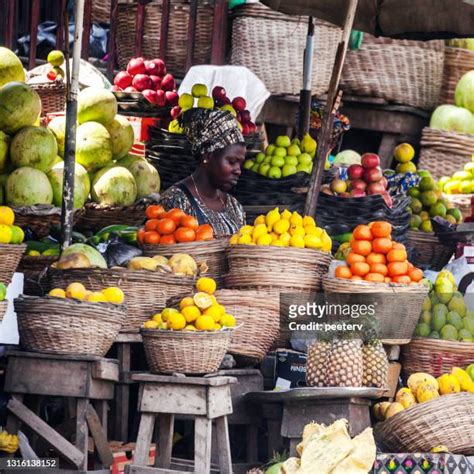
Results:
171 227
80 256
56 60
199 312
9 233
283 229
151 79
199 97
376 258
423 387
403 155
77 291
180 264
9 443
444 312
284 158
427 202
461 182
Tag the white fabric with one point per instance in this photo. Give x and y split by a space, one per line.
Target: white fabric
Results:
9 327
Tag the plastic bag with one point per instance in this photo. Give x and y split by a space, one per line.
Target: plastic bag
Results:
118 254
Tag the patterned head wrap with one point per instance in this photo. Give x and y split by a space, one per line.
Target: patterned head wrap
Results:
210 130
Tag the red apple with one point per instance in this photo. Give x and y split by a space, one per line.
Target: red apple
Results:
150 95
136 66
116 89
384 182
387 198
372 175
142 82
171 98
239 104
130 89
151 68
167 83
52 75
245 129
222 102
252 127
161 67
355 171
370 160
359 184
357 192
375 188
123 79
175 111
219 94
245 116
344 195
160 98
155 82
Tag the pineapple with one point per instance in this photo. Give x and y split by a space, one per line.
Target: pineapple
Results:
375 364
345 366
316 363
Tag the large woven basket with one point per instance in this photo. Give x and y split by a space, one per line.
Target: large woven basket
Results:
146 292
52 95
33 268
10 256
435 356
443 153
400 71
428 251
271 45
457 62
63 326
177 46
185 352
447 420
397 307
3 309
462 202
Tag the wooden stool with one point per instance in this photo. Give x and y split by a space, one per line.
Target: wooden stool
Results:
83 378
206 399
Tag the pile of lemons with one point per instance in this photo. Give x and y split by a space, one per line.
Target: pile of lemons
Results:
78 291
199 312
9 233
284 229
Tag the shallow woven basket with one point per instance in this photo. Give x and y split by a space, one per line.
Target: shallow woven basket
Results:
211 252
435 356
64 326
3 309
398 306
457 61
428 251
185 352
146 292
462 202
96 217
10 256
401 71
33 268
271 45
52 95
443 153
447 420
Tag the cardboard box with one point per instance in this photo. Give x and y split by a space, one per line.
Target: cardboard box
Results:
290 369
422 463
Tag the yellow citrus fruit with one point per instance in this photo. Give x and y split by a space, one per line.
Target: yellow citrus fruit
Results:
33 253
296 219
176 321
18 236
151 324
308 220
277 243
234 240
167 312
281 226
76 290
215 312
202 300
246 229
5 234
311 229
312 241
188 301
57 293
189 327
205 323
163 326
259 220
214 300
408 167
191 313
258 231
285 238
7 216
245 239
297 241
217 327
228 321
114 295
157 318
286 214
404 153
207 285
326 242
264 239
297 230
273 235
96 297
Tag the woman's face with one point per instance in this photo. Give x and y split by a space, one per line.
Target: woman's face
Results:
225 166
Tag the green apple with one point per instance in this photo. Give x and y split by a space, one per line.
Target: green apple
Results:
186 101
288 170
268 159
278 161
270 149
305 168
296 141
291 160
305 159
230 109
274 172
205 102
293 150
283 141
280 151
199 90
264 168
56 58
248 164
260 157
255 168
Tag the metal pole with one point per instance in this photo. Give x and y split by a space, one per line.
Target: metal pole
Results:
70 139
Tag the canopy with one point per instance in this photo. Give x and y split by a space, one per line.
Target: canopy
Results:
407 19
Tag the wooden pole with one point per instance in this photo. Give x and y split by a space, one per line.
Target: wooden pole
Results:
112 35
329 113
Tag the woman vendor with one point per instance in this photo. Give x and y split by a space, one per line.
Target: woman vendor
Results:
220 147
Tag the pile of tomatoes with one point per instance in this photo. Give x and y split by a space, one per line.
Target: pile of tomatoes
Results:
171 227
375 257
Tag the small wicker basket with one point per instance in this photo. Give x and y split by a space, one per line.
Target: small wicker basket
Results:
64 326
186 352
33 268
457 62
428 251
447 420
435 356
52 95
10 258
3 309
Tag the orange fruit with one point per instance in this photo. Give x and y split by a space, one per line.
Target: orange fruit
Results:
397 246
404 279
379 268
151 237
415 274
166 226
356 277
185 234
343 272
380 229
190 222
362 247
167 239
205 232
354 257
360 268
362 232
397 255
374 277
151 224
382 245
387 280
397 269
375 257
154 211
141 235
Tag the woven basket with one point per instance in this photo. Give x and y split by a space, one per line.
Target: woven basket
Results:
462 202
272 44
185 352
3 309
10 258
435 356
63 326
145 292
52 95
457 62
428 251
447 420
398 306
177 45
443 153
96 217
33 268
400 71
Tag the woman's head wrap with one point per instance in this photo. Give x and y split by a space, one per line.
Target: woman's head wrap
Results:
210 130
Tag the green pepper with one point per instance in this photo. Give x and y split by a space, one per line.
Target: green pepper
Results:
342 238
104 233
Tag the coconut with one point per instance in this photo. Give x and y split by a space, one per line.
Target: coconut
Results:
58 127
146 176
20 106
56 176
183 264
27 187
4 146
11 69
93 146
95 258
114 186
96 105
121 133
35 147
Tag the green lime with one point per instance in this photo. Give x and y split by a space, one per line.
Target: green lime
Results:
426 226
449 333
56 58
426 184
422 330
428 198
414 192
415 222
434 335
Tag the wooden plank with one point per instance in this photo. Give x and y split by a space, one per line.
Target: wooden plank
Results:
209 381
165 20
165 440
102 409
81 429
122 394
100 438
60 444
35 19
106 370
151 470
128 337
139 24
223 445
145 434
13 423
60 21
193 4
202 444
86 32
10 24
112 37
38 355
219 32
219 401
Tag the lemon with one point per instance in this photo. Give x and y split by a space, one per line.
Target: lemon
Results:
163 326
95 297
167 312
246 229
207 285
281 226
234 240
297 230
285 238
310 229
312 241
258 231
176 321
296 219
7 216
308 220
273 235
202 300
33 253
214 300
191 313
76 290
245 239
259 220
228 321
114 295
297 241
205 323
217 327
326 242
214 312
286 214
404 153
188 301
5 234
189 327
277 243
57 293
151 324
264 239
18 236
408 167
272 217
157 318
87 294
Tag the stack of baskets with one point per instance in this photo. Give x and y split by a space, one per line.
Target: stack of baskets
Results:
10 258
457 62
427 251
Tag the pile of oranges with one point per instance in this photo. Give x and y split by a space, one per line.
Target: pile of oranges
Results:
171 227
375 257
